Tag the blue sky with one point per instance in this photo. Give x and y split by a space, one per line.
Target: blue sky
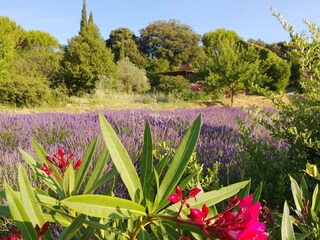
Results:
249 18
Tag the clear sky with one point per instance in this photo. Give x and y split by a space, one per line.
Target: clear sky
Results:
251 19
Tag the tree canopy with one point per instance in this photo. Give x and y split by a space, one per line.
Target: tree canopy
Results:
124 43
233 67
170 40
86 58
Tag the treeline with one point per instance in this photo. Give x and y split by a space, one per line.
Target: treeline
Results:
36 69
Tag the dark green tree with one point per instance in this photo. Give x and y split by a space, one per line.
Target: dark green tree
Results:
170 40
124 43
83 21
86 59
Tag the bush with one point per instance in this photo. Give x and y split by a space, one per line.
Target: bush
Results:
173 85
23 91
131 78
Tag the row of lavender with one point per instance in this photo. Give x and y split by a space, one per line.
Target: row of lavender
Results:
73 132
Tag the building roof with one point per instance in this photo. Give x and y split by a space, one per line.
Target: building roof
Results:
184 70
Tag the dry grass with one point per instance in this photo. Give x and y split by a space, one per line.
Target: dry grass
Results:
131 101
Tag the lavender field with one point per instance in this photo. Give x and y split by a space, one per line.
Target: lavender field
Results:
73 132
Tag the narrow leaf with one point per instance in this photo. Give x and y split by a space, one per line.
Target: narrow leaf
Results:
5 212
51 182
287 232
121 161
296 194
257 193
102 206
146 162
211 198
19 214
179 163
108 176
97 171
69 181
76 224
85 164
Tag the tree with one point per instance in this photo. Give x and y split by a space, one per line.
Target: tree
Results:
233 67
131 78
38 56
212 40
13 33
170 40
124 43
86 58
83 21
3 56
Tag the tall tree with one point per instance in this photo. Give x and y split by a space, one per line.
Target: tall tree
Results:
170 40
124 43
83 21
86 60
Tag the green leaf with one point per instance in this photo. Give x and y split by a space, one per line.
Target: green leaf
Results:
76 224
104 206
85 164
121 161
97 172
146 166
179 163
162 163
69 181
296 194
144 235
5 212
108 176
287 232
245 191
53 183
29 200
211 198
257 193
20 214
41 154
315 205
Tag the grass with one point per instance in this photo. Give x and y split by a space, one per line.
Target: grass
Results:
137 101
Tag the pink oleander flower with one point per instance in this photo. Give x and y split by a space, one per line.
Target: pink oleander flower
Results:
41 231
194 192
16 234
177 197
46 169
62 162
199 215
239 225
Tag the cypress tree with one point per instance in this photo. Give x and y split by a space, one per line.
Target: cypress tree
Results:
83 22
86 59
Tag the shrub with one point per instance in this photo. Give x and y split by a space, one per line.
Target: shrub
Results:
174 85
21 91
131 78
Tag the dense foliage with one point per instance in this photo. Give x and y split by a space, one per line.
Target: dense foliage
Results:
85 59
170 40
124 43
131 78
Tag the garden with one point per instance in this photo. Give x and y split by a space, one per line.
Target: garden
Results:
213 172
